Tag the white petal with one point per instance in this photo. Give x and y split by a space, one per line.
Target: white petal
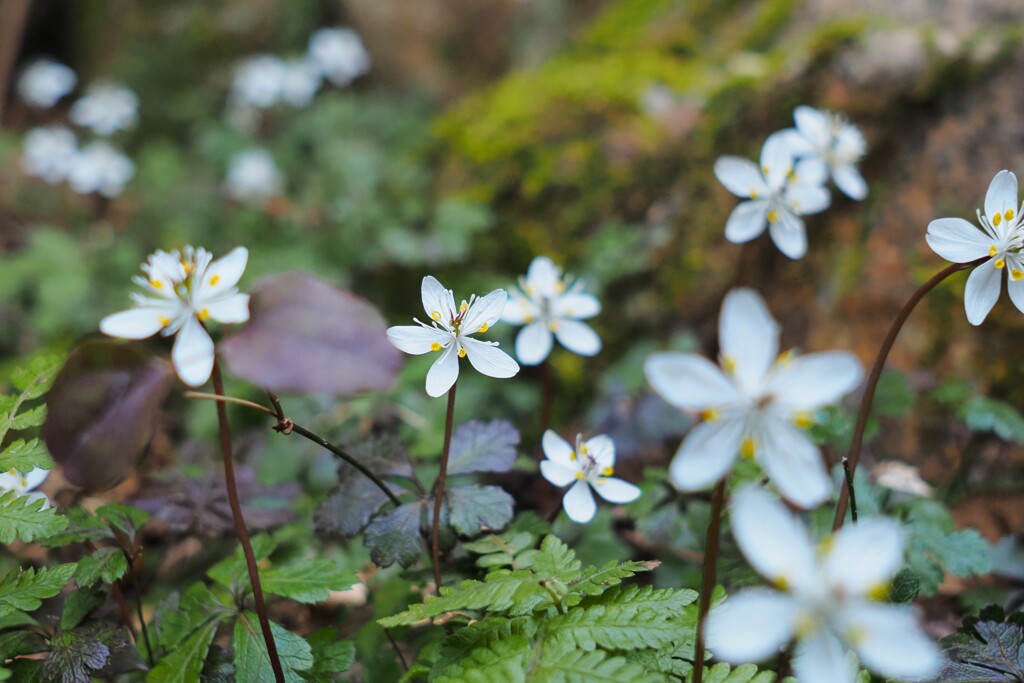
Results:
579 305
748 337
807 199
558 450
793 462
192 354
740 176
776 161
747 221
689 381
982 291
135 323
602 449
956 240
542 278
772 539
849 180
443 372
223 274
865 555
232 309
1001 195
488 359
616 490
810 382
437 301
789 234
798 144
36 477
533 343
417 339
812 171
813 125
579 503
706 454
519 309
485 311
889 642
557 474
1015 287
751 626
820 658
577 337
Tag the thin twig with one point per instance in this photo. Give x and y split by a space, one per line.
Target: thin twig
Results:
398 651
240 530
230 399
435 528
850 487
708 582
138 608
876 372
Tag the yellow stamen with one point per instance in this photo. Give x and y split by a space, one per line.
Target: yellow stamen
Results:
580 475
710 415
214 280
765 170
753 194
484 328
786 357
462 353
999 264
572 456
803 420
156 284
728 364
607 471
791 175
855 635
825 547
997 219
805 626
747 448
528 319
553 326
559 286
204 314
1016 274
781 582
1009 214
773 216
993 250
436 315
583 448
164 320
879 592
187 267
463 307
435 346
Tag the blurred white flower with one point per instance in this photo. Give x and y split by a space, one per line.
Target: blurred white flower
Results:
301 81
44 82
827 136
778 193
1000 239
546 303
181 291
449 334
107 109
259 81
100 168
252 173
755 406
589 466
24 484
899 476
340 55
825 599
49 153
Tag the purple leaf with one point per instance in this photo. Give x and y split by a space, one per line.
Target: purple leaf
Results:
305 336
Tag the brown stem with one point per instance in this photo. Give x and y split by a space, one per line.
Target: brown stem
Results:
138 608
848 473
240 530
876 372
708 582
545 396
398 650
435 528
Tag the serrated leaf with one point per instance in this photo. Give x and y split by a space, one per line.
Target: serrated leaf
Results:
395 536
24 455
196 608
330 655
594 581
107 564
462 642
612 627
183 664
934 547
77 606
308 581
744 673
479 446
995 654
124 518
518 591
476 509
555 562
73 658
34 378
500 660
81 526
559 666
30 418
25 589
252 663
233 570
27 520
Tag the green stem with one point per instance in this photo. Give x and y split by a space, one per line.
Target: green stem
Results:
435 528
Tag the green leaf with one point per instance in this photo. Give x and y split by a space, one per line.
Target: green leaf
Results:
983 414
499 660
184 663
479 446
558 666
26 520
500 550
462 642
745 673
233 570
34 378
518 591
893 396
77 607
330 655
196 608
934 547
24 455
25 589
475 509
30 418
395 536
107 564
595 581
309 581
81 526
905 587
124 518
74 657
252 663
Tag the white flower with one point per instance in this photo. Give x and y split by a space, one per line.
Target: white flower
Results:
449 334
44 82
107 109
839 145
252 173
999 239
550 303
100 168
301 81
589 466
755 405
824 599
180 292
49 153
779 193
340 55
259 81
24 484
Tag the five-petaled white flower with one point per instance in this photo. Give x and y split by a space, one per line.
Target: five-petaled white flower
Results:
101 169
252 174
550 303
755 405
449 334
824 599
107 109
44 82
828 137
25 484
588 466
181 292
1000 239
778 193
49 153
340 55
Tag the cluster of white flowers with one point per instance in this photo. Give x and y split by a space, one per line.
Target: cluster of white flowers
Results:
790 181
53 154
334 54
